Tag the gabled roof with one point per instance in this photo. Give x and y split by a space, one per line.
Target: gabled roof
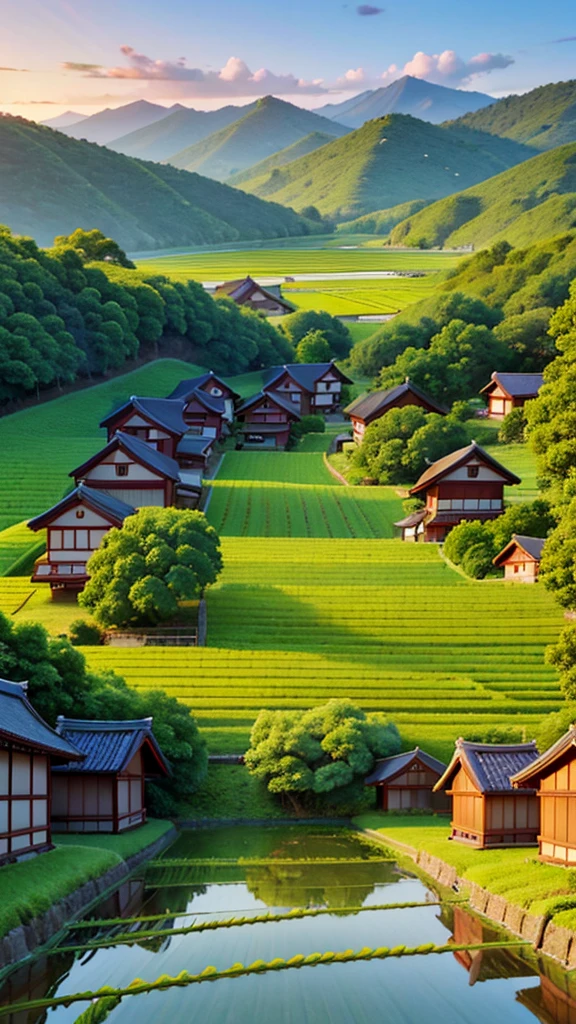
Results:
186 387
515 385
460 457
489 765
243 289
531 546
100 501
110 746
304 374
414 519
280 400
214 403
20 722
388 767
376 403
543 765
194 444
141 451
166 412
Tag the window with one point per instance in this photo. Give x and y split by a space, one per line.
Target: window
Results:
216 391
473 471
79 513
122 469
515 568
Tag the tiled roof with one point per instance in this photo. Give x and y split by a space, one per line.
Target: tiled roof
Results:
140 450
516 385
490 765
243 290
388 767
414 519
194 444
541 766
166 412
442 466
108 746
186 387
305 374
370 405
280 400
99 501
19 721
531 545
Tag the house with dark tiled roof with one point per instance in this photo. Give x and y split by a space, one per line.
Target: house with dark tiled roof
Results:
466 484
28 747
158 421
406 781
264 420
105 792
553 775
74 528
247 292
191 392
131 470
487 810
507 391
364 410
520 559
309 387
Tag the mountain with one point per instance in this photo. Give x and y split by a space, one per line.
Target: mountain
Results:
407 95
525 204
308 144
169 135
543 118
65 120
271 126
51 184
110 124
388 161
381 222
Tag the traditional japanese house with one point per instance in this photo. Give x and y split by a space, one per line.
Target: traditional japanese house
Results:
507 391
553 775
370 407
520 559
210 384
247 292
486 810
158 421
467 484
309 387
132 470
406 781
28 746
74 530
106 792
194 451
265 420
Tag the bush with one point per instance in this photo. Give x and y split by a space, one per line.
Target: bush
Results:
314 348
399 445
477 561
513 427
297 325
85 634
310 424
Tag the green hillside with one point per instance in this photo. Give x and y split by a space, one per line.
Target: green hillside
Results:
388 161
271 126
51 184
381 222
534 201
169 135
308 144
543 118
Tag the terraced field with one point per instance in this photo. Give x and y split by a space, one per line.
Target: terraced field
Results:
361 297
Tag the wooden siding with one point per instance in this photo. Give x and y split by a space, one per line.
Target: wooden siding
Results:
557 795
492 819
24 801
97 801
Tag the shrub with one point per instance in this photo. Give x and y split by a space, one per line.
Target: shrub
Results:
85 634
310 424
314 348
297 325
513 427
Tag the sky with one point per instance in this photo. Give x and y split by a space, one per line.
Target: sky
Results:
88 54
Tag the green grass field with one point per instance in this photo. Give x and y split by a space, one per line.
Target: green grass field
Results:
361 297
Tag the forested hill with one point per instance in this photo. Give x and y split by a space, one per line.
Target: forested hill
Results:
51 184
543 118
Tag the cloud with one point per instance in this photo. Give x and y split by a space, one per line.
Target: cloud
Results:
352 77
18 70
565 39
447 68
365 10
234 79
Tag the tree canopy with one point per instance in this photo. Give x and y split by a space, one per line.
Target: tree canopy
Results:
314 348
398 446
474 544
296 326
93 245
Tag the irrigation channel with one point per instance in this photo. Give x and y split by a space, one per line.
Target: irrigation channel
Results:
368 942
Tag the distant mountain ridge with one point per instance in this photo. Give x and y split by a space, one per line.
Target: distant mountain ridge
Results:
111 123
407 95
168 135
65 120
543 118
284 156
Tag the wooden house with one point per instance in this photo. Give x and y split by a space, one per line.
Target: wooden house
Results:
309 387
247 292
507 391
553 775
265 420
467 484
106 791
364 410
133 471
28 746
520 559
158 421
74 530
406 781
486 810
209 384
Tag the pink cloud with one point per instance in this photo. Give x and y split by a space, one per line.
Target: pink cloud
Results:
447 68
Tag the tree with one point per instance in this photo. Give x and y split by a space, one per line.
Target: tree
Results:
297 325
562 655
439 436
141 573
526 335
513 427
93 245
558 562
398 446
313 348
473 544
320 756
471 535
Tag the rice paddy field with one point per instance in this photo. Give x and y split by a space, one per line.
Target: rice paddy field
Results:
362 297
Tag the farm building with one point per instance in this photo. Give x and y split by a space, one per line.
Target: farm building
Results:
158 421
209 384
406 781
520 559
265 421
507 391
486 810
74 529
309 387
27 748
106 792
132 470
366 409
467 484
247 292
554 776
194 451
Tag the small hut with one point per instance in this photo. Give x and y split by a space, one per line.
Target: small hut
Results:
486 810
406 781
507 391
520 559
364 410
553 774
106 792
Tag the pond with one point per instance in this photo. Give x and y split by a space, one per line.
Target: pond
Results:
273 869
